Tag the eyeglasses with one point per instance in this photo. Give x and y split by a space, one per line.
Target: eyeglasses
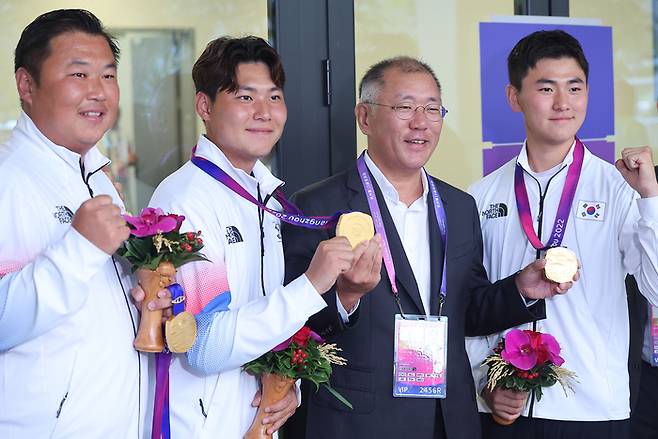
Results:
405 111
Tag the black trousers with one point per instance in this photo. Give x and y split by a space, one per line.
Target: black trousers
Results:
537 428
644 417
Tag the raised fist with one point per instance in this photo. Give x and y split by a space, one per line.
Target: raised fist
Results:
100 221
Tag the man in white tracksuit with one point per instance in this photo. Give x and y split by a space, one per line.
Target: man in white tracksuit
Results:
241 307
67 366
611 225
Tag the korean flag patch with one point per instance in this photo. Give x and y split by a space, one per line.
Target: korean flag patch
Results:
591 210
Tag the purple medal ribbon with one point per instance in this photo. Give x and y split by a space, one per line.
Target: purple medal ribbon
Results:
160 428
291 214
379 228
566 200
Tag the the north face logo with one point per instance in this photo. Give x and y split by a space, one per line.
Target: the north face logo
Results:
233 235
496 210
63 214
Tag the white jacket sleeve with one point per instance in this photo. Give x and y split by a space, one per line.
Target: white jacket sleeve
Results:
39 287
229 339
230 336
638 241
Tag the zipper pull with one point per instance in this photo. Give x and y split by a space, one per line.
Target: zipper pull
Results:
61 403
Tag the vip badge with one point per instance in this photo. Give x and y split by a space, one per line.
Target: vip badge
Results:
591 210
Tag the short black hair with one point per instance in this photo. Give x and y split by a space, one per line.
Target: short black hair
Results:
34 45
373 80
531 49
216 68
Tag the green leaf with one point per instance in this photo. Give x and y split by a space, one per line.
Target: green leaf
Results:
338 396
153 263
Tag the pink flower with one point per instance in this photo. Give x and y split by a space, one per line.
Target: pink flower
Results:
550 349
519 351
151 221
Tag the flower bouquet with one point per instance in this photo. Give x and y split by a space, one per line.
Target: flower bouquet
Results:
155 249
525 361
306 356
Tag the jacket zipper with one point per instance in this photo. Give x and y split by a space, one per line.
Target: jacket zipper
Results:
61 403
261 221
540 220
125 297
203 410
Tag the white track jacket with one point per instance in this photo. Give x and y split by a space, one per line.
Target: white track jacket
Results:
612 232
67 365
210 396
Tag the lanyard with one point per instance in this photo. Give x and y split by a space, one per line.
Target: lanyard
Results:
379 228
566 200
161 428
291 214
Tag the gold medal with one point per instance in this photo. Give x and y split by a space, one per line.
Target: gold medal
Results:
561 264
356 227
180 332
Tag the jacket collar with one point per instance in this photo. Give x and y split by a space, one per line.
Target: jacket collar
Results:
260 176
522 158
26 132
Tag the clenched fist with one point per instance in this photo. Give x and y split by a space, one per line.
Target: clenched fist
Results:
332 257
636 166
100 221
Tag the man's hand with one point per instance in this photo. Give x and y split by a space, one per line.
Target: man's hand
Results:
504 403
279 412
332 257
636 166
363 275
532 283
163 301
101 223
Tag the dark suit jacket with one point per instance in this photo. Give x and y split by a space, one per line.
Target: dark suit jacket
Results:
473 307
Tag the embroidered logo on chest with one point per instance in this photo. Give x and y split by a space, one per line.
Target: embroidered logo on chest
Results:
63 214
495 210
233 235
591 210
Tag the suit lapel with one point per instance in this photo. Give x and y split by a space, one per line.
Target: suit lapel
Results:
405 280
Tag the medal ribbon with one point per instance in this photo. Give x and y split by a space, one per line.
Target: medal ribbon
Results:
379 227
566 200
160 428
653 327
291 214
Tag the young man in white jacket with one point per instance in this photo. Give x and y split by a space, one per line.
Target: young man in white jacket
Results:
241 307
67 365
611 225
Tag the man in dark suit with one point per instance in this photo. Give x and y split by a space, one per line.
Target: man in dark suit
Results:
401 114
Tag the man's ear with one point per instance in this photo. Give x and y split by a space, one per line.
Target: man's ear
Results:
363 114
513 98
203 105
25 85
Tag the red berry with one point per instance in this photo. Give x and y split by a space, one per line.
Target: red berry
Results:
199 241
190 236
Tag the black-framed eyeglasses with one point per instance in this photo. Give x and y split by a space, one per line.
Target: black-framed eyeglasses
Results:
405 111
